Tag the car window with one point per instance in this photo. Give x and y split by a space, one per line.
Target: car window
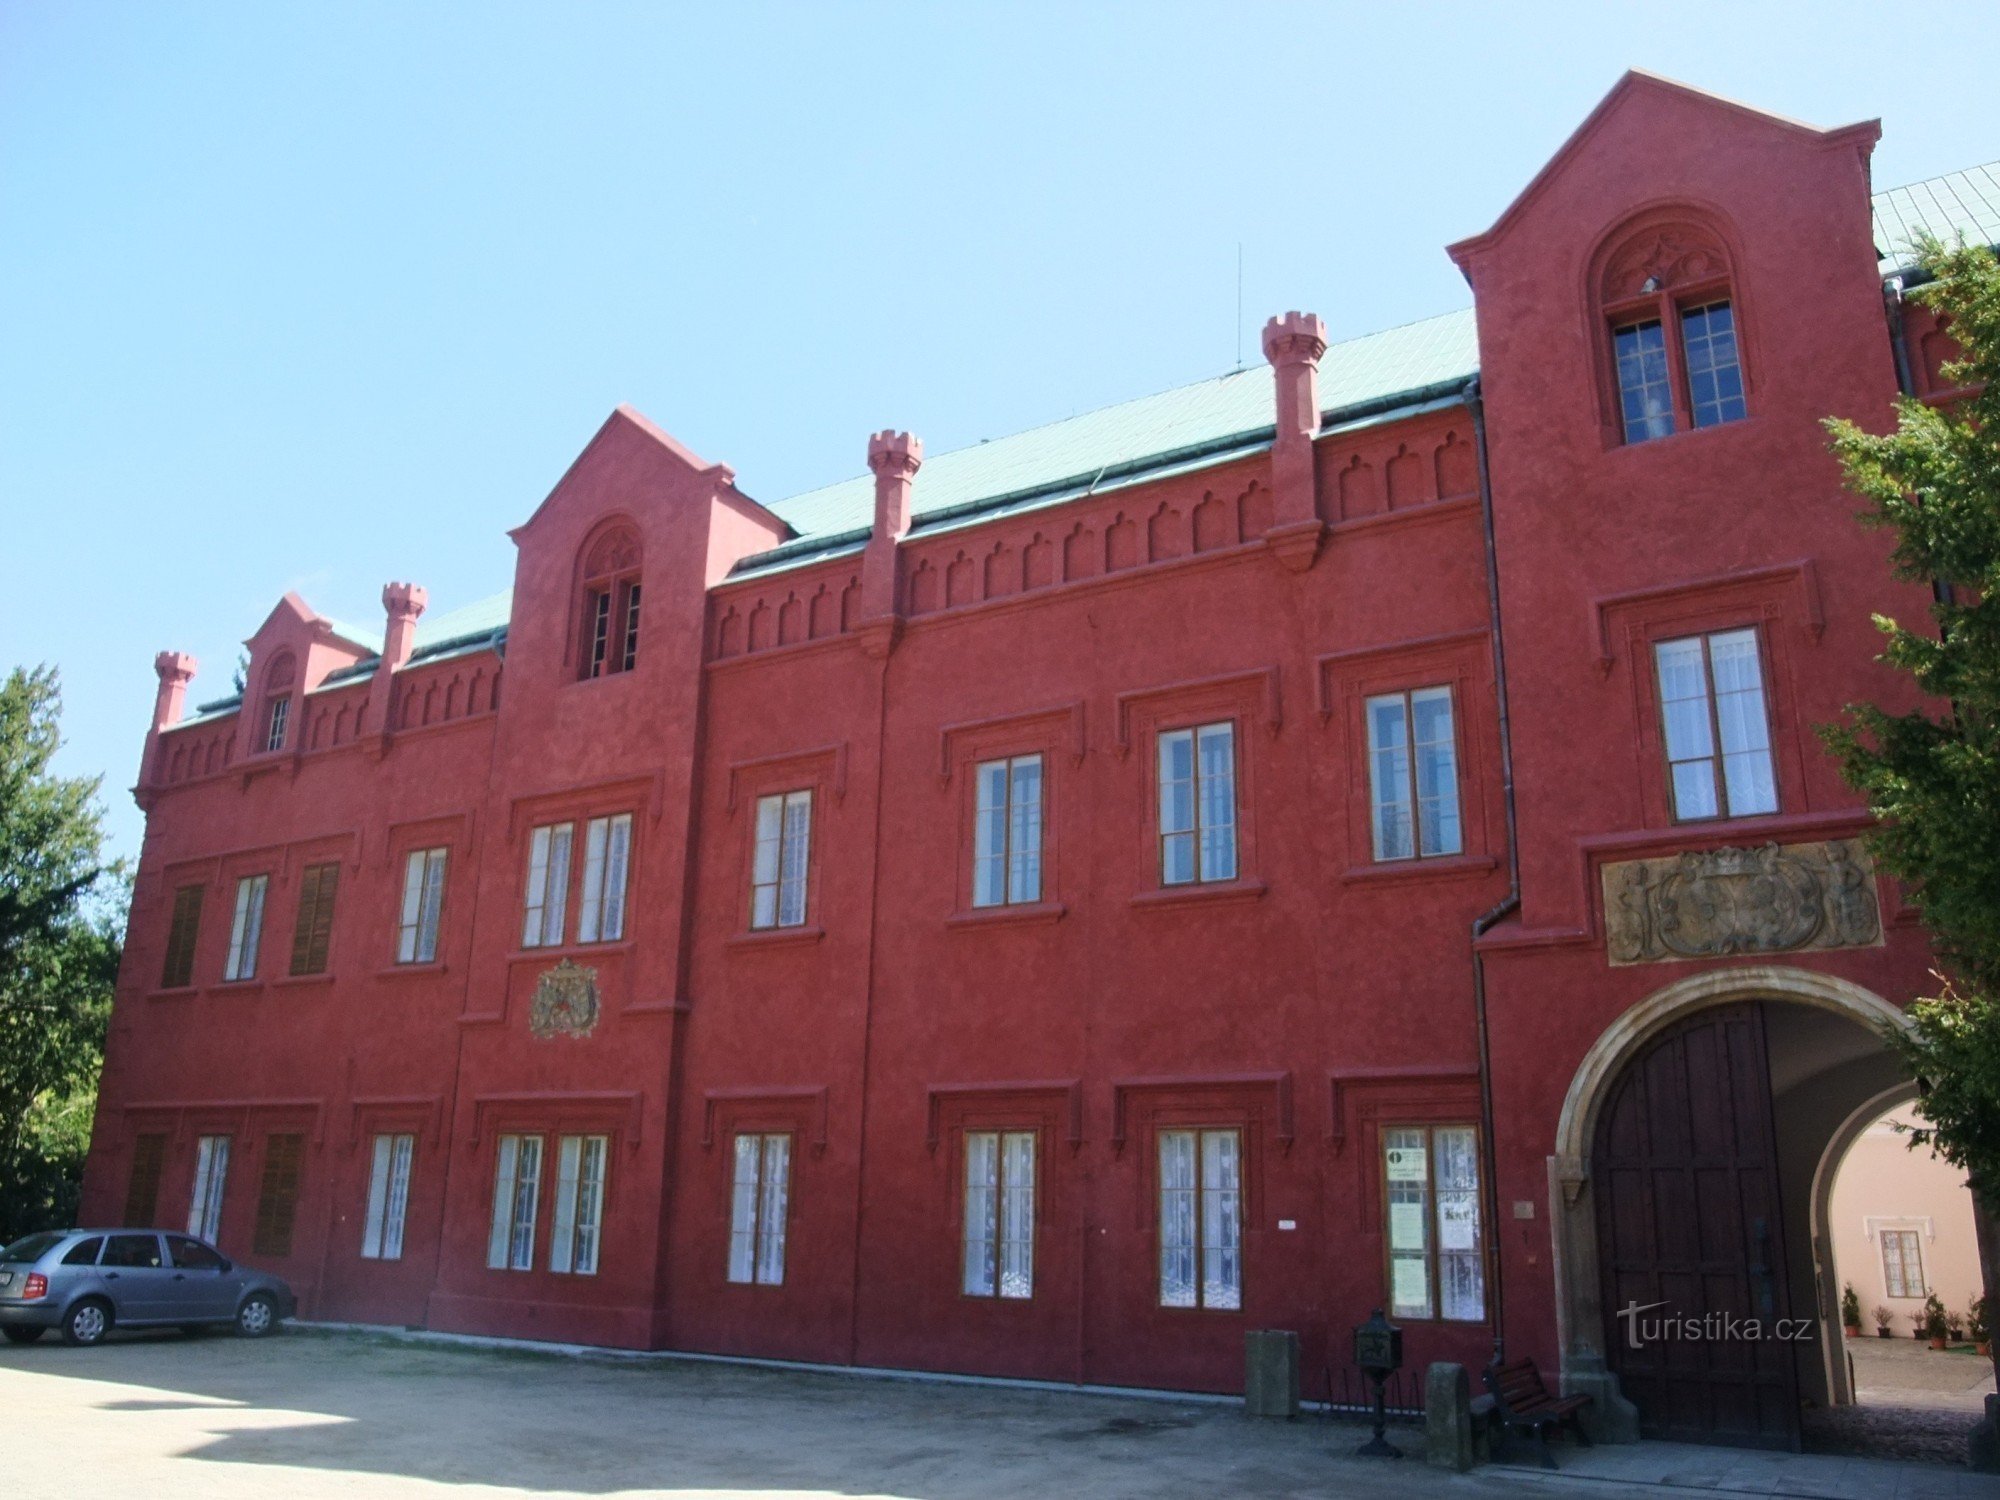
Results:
32 1247
192 1255
132 1250
83 1252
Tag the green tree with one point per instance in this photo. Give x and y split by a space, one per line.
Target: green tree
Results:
61 912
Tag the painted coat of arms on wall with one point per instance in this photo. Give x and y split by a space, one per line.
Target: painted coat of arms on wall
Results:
1715 903
565 1002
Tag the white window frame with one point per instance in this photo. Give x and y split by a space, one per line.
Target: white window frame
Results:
277 722
1000 1169
246 928
546 904
388 1197
1757 799
1428 1225
577 1239
423 906
781 860
211 1181
1201 1217
1210 828
517 1192
1007 831
1399 767
760 1196
607 859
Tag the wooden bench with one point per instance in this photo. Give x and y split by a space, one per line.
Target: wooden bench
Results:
1523 1403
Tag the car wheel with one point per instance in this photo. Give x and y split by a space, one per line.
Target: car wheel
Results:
257 1316
87 1323
23 1335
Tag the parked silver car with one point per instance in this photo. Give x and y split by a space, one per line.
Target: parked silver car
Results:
84 1281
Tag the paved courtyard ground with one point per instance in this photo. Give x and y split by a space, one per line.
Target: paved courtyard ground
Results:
310 1415
1913 1402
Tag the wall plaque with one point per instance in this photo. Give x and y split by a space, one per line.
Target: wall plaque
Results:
1715 903
565 1002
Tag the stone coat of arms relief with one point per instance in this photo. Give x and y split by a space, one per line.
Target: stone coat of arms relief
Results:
565 1002
1777 898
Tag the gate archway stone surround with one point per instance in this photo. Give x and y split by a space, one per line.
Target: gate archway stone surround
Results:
1572 1210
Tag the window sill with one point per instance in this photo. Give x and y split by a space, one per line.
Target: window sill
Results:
403 971
774 937
564 950
1436 867
1214 892
291 981
1020 914
175 992
234 987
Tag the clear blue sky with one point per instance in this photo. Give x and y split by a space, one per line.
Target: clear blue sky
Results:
315 296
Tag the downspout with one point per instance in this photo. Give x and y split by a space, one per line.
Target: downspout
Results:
1488 1166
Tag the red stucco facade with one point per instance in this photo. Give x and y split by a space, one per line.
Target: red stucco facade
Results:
1315 999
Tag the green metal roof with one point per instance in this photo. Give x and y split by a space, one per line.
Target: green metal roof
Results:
1966 202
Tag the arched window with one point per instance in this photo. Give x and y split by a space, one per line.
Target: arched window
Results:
609 597
277 702
1669 327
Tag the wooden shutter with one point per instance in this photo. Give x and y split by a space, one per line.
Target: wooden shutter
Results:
314 932
142 1191
278 1201
178 971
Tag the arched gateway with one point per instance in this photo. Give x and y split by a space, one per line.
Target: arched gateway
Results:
1682 1188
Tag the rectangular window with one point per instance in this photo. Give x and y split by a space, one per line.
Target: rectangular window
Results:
1903 1264
1000 1213
607 848
579 1204
1201 1218
1645 397
1007 832
1413 774
630 646
760 1190
548 885
778 870
178 970
1716 727
517 1189
274 729
388 1197
142 1188
598 624
423 902
1198 804
314 933
278 1196
211 1175
246 928
1715 374
1437 1266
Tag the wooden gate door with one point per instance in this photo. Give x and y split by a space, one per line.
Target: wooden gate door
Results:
1684 1170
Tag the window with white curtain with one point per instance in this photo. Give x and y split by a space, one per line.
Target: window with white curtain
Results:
1413 774
517 1190
1000 1213
760 1189
423 903
1007 832
548 885
1198 804
246 928
579 1204
388 1197
1903 1264
1437 1262
211 1176
607 849
779 865
1201 1218
1717 726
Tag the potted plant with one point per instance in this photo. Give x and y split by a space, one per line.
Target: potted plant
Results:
1881 1315
1979 1327
1920 1324
1934 1321
1850 1311
1954 1327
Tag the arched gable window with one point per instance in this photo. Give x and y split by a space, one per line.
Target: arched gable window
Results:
277 701
609 602
1669 326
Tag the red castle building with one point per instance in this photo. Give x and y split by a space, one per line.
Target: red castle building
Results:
1346 833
